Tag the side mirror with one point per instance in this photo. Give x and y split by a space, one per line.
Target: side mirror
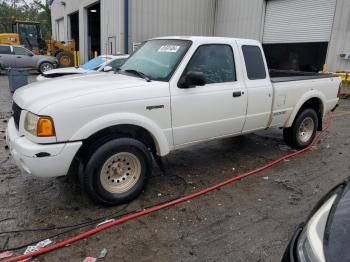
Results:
30 54
107 68
192 79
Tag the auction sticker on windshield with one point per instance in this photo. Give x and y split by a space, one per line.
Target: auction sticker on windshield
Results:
169 48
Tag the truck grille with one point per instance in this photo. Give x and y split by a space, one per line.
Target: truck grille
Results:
16 113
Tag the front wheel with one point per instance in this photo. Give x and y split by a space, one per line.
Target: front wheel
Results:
117 171
45 66
65 59
303 131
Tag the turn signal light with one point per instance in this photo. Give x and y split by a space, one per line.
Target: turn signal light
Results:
45 127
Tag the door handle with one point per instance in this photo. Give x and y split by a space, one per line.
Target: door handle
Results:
18 57
237 94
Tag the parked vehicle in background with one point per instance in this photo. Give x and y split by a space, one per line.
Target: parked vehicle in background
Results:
29 35
325 237
171 93
101 63
12 56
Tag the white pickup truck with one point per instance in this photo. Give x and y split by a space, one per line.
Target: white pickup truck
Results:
172 92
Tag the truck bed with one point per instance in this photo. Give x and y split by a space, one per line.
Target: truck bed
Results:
289 75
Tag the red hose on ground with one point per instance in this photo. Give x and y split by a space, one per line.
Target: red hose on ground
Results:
167 204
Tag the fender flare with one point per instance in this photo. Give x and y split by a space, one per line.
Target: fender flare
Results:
116 119
307 96
43 60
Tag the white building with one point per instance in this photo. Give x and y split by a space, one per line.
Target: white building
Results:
297 34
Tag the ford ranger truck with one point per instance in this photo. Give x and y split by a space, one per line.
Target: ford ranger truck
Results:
171 93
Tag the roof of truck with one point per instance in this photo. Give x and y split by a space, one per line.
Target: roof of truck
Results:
208 38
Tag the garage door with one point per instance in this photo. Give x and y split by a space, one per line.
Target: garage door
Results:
296 21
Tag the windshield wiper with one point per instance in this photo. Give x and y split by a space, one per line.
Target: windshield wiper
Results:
135 72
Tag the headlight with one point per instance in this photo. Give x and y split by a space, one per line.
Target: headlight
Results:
41 126
310 244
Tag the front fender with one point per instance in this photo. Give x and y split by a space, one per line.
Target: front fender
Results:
40 61
125 119
307 96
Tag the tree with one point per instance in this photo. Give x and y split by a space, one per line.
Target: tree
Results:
45 15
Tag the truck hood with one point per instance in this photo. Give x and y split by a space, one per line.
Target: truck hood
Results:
38 95
65 71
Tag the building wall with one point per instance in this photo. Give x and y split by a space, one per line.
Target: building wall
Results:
340 39
240 18
112 22
152 18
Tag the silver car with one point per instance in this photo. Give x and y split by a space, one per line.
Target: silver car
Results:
12 56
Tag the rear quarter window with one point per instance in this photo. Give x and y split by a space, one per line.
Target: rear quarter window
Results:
5 50
254 62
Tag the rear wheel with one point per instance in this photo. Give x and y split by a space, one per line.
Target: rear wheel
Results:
303 131
65 59
45 66
117 171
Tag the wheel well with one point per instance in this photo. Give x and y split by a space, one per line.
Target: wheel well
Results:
102 136
316 104
42 62
91 144
55 53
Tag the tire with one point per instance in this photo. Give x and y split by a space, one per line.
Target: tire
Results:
117 171
45 66
65 59
303 131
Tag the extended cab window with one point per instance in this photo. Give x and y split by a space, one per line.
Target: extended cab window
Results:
21 51
254 62
5 50
215 61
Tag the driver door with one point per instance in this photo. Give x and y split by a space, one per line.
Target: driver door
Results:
24 58
215 109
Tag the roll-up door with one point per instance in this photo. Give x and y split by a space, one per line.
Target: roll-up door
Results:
298 21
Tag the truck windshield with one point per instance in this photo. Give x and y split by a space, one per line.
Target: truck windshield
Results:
95 63
157 59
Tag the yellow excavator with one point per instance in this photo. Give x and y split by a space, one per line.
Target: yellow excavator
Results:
28 34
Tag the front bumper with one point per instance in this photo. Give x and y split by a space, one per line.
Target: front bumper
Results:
41 160
290 252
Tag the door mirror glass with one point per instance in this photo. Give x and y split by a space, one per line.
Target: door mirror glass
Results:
192 79
107 69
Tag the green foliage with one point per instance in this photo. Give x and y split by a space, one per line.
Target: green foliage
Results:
36 11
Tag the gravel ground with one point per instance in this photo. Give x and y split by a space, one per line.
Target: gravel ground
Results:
249 220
